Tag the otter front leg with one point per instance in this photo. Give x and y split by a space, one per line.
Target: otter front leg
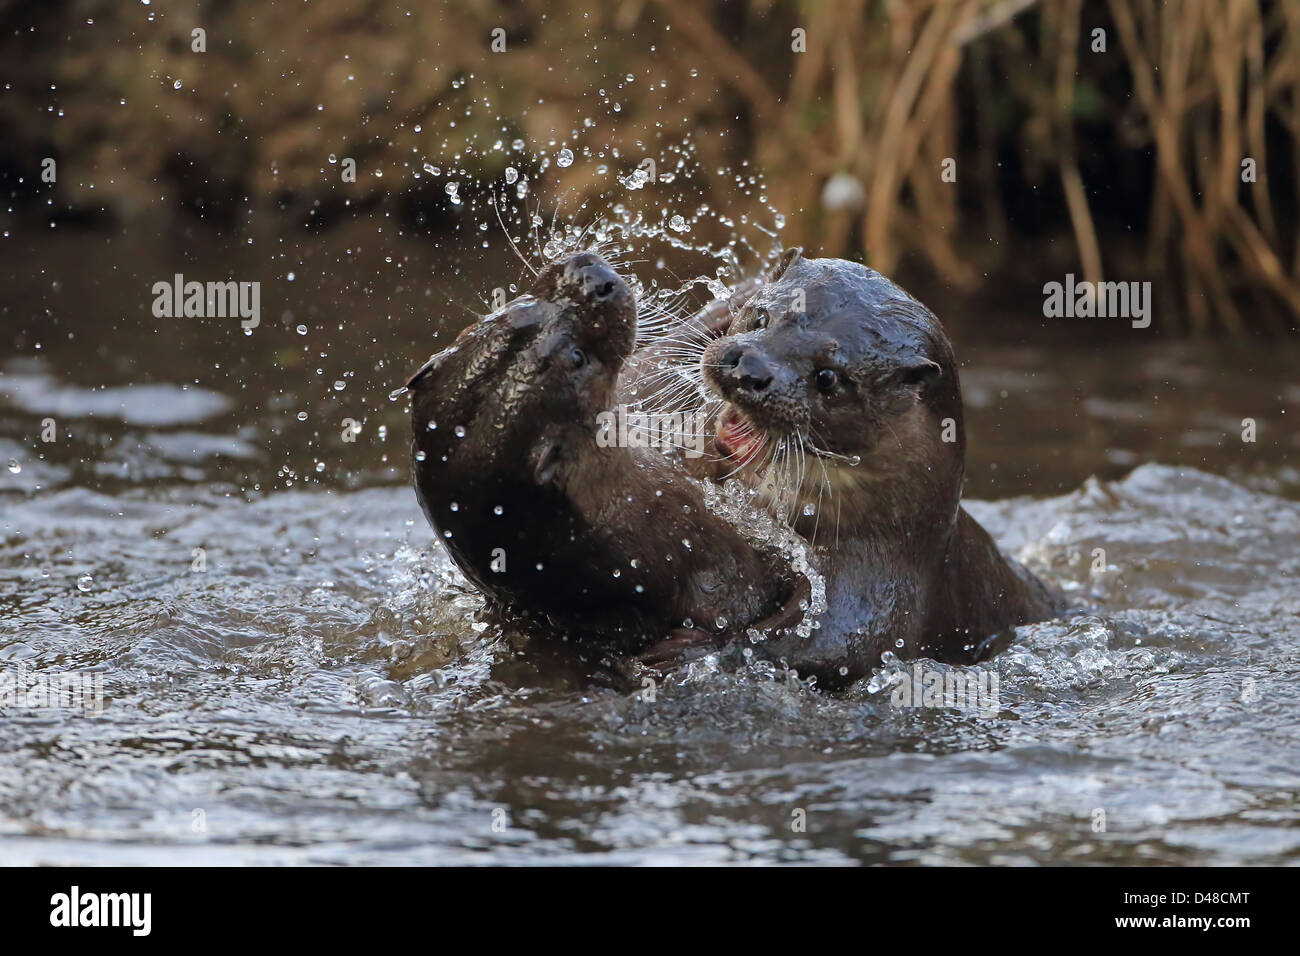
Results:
682 644
688 643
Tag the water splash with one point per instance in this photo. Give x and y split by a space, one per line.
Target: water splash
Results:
739 506
646 210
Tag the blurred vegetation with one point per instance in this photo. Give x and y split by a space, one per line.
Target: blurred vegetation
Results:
1118 164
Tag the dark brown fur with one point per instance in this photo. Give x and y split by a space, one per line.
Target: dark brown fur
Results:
864 373
609 546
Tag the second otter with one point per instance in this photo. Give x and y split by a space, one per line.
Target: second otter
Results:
843 407
611 546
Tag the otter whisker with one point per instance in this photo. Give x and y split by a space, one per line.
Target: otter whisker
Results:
677 389
852 460
496 207
536 230
682 332
796 492
825 488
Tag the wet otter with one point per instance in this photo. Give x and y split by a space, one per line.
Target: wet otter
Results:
607 545
842 405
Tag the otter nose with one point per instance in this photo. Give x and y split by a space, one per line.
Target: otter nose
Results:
598 282
747 368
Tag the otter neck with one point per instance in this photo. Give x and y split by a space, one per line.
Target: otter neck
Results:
900 510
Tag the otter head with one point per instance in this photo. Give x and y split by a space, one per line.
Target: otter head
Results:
547 360
830 360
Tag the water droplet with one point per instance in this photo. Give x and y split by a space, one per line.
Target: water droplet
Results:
85 582
512 174
397 393
14 467
498 510
460 431
301 330
678 224
809 509
454 506
302 416
565 158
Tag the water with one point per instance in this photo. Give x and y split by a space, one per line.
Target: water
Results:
293 671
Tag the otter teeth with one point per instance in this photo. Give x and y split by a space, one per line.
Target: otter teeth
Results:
737 437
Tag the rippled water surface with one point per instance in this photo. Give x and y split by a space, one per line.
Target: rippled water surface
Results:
320 691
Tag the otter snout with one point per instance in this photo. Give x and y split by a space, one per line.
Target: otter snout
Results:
592 276
768 391
743 366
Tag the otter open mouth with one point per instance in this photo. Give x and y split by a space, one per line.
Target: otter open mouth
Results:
738 438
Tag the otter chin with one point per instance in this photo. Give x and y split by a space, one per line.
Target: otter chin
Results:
842 406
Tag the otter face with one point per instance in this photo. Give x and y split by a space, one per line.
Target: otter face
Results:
594 318
547 363
560 345
833 356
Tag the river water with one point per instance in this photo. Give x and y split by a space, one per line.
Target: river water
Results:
292 670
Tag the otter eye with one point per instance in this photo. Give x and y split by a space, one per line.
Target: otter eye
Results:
761 318
578 357
826 380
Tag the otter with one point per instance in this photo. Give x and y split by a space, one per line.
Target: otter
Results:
611 547
842 408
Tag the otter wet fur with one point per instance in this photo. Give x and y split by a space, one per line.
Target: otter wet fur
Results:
610 547
842 407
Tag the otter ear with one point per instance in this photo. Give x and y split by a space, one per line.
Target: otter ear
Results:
429 367
788 258
926 373
548 456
